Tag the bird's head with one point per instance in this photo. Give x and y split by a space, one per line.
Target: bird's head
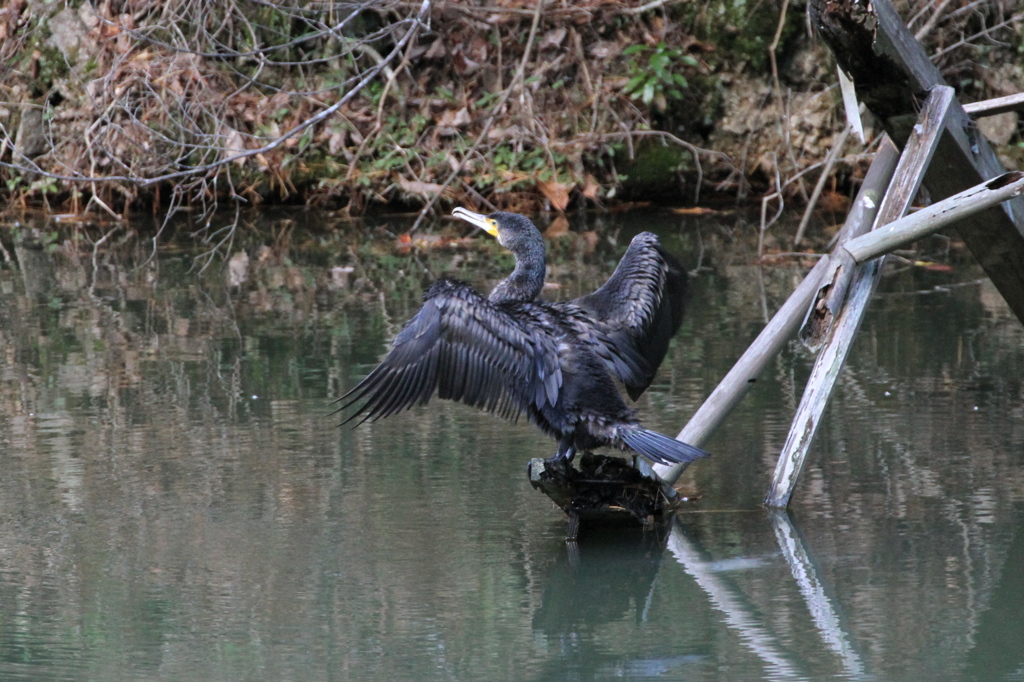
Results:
511 229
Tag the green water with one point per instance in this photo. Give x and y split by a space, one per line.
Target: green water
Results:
175 503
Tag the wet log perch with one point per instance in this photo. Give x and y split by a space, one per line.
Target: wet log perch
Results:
605 490
893 76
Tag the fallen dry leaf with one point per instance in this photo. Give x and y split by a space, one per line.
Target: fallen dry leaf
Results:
233 145
555 192
336 142
552 39
417 187
557 228
934 267
693 210
437 50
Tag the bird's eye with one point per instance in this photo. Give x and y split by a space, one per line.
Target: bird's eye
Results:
490 226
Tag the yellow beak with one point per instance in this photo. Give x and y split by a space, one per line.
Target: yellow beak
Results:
488 225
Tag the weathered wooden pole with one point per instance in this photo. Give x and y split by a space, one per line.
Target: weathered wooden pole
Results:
935 217
893 74
784 324
833 291
842 329
997 105
777 333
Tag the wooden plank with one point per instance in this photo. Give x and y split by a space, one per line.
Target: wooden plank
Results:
785 323
936 217
997 105
892 73
820 384
830 298
841 333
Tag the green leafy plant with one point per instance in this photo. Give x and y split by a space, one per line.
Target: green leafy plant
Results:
655 72
46 185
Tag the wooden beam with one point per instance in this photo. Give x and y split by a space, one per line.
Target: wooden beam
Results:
819 386
785 323
998 105
893 74
936 217
840 335
831 296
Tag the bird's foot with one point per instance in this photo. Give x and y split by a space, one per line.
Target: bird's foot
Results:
561 461
562 458
557 464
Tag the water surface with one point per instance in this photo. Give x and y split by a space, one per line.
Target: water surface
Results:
176 503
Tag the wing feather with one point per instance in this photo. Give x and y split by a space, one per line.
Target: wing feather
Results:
635 314
466 348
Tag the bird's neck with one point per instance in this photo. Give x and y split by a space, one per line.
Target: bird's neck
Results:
527 280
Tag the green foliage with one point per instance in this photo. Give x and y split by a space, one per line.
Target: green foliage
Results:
49 62
742 30
526 166
654 169
655 72
45 185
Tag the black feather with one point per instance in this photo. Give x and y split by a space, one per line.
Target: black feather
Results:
638 310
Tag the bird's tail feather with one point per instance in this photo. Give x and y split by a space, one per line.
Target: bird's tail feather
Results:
661 449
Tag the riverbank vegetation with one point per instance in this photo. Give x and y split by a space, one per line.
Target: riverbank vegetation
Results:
121 104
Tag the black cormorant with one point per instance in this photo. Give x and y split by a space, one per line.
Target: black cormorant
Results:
511 353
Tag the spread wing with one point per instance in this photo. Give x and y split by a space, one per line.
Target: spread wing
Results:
637 312
465 348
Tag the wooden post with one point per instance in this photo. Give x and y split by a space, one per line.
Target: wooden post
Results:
836 281
786 321
840 334
819 386
833 293
777 333
892 73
